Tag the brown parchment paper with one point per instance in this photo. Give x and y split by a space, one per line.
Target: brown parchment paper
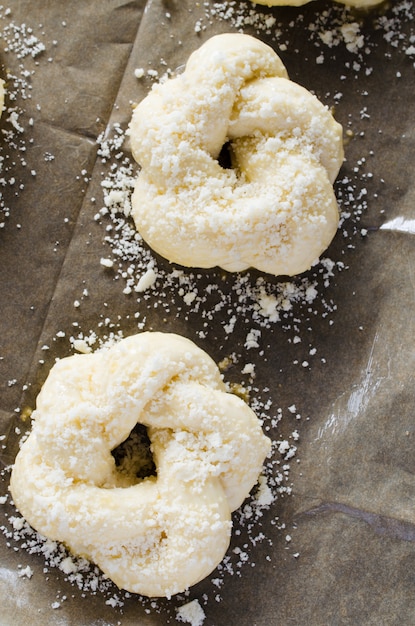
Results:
340 549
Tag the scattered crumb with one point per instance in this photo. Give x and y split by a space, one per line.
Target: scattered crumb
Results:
191 613
25 572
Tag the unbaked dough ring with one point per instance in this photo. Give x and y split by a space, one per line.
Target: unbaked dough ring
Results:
275 209
158 535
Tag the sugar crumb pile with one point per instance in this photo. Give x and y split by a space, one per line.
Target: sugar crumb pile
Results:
26 44
191 613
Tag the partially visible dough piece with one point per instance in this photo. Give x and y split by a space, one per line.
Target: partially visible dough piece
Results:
275 208
359 4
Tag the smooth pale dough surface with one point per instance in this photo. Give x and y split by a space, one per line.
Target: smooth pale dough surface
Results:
298 3
275 209
158 535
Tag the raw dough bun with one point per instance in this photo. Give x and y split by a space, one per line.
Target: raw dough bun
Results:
360 4
275 209
158 535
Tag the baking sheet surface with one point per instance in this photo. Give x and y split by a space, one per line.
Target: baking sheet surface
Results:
328 366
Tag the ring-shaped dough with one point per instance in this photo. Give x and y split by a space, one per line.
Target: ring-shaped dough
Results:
158 535
275 209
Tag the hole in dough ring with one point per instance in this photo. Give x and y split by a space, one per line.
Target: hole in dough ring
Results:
159 535
275 208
